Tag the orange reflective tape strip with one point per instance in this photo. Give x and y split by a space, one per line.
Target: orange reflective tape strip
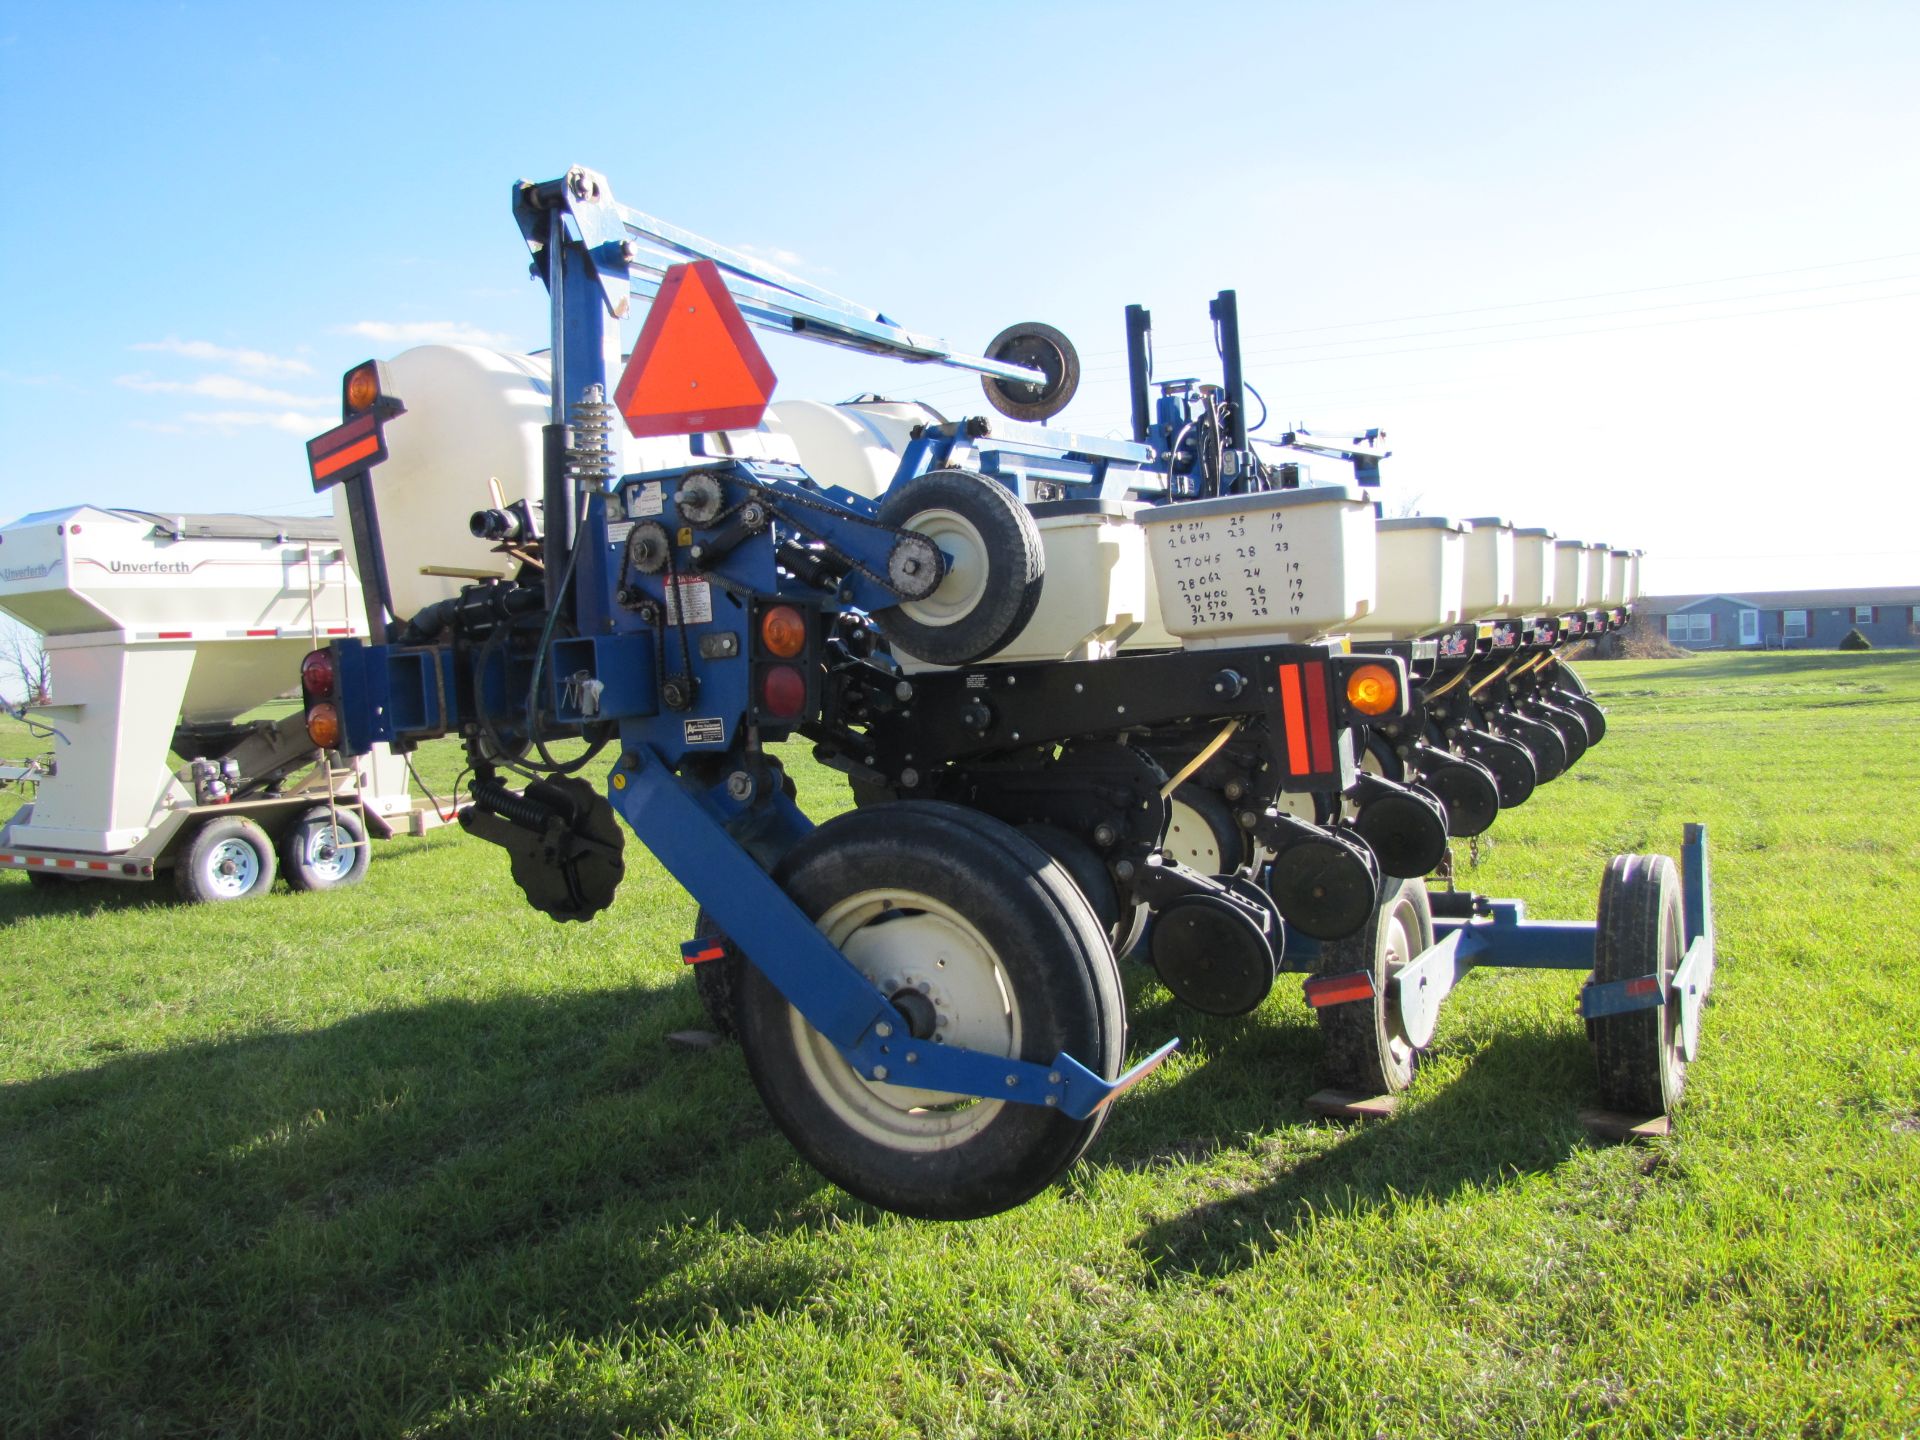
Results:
1293 710
1319 732
340 459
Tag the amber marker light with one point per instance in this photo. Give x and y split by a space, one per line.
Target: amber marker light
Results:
323 726
362 388
1373 690
783 631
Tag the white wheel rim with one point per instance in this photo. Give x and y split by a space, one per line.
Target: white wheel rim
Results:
900 939
1191 841
961 588
328 852
1397 941
232 867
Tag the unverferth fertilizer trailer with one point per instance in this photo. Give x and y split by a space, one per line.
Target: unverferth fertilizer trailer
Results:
162 632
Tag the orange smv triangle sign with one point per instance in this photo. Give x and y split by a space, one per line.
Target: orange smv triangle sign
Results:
695 366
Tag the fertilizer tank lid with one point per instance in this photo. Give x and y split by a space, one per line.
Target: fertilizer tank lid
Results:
234 527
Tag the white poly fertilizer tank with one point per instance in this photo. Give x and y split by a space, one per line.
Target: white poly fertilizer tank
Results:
856 446
472 415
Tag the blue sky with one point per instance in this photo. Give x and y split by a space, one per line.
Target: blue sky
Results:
1643 273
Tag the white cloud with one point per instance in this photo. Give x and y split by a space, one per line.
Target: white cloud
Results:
305 426
423 332
216 387
257 361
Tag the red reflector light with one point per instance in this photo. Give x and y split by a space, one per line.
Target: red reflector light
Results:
712 952
1645 985
1326 990
783 692
1293 708
783 631
316 674
323 726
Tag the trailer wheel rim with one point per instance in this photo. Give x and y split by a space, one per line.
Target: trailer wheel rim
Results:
903 940
328 851
964 585
232 867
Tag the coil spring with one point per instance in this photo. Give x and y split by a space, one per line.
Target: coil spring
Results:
494 796
590 458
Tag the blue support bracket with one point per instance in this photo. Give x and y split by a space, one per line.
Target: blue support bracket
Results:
689 839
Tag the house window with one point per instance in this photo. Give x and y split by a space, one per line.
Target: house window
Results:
1914 623
1863 614
1793 624
1690 629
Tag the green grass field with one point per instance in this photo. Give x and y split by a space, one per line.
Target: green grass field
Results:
412 1159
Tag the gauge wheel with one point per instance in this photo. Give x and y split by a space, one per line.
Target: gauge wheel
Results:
227 858
1637 932
995 566
1202 833
1367 1050
985 944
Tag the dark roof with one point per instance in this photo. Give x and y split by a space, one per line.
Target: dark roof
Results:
1786 599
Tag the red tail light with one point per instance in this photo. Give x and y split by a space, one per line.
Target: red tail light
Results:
316 674
783 692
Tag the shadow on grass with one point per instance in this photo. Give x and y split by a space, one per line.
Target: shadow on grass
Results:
1510 1110
380 1212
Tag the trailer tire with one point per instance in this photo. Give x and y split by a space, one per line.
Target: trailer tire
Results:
227 858
1638 931
1366 1048
993 585
313 854
1027 972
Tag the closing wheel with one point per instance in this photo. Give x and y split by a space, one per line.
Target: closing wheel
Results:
1202 833
1540 740
1591 715
995 565
1325 885
325 849
1573 729
1039 347
1637 931
227 858
1366 1046
985 944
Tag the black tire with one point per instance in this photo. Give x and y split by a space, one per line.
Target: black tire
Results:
1042 348
1202 833
226 858
325 849
993 585
1085 868
1031 974
717 982
1638 931
1379 756
1366 1049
